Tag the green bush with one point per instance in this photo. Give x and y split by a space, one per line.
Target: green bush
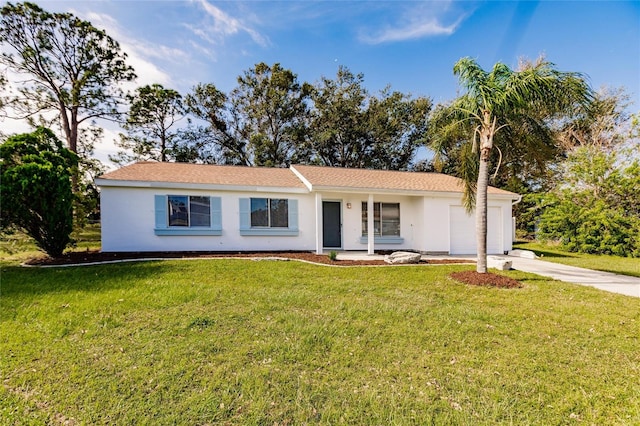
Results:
595 209
595 229
37 195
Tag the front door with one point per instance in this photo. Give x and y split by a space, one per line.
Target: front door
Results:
331 226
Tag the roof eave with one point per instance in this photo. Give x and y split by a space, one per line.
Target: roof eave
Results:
199 186
408 192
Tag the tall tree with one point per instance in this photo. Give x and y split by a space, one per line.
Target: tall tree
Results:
261 122
36 188
495 100
150 125
593 205
337 131
71 67
605 129
351 128
396 126
603 126
595 209
224 138
273 105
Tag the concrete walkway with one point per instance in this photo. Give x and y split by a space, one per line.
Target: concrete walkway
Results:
606 281
622 284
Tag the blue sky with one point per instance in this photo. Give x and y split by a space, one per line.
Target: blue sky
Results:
409 45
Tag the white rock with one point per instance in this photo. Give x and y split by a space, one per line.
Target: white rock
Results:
402 257
270 258
528 254
499 263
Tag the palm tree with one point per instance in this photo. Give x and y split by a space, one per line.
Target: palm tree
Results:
530 97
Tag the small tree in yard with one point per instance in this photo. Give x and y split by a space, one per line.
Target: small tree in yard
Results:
36 189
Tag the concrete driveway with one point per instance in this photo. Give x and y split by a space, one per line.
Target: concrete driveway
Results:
607 281
622 284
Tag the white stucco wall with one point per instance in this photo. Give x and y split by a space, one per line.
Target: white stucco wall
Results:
508 233
437 225
436 222
410 220
128 221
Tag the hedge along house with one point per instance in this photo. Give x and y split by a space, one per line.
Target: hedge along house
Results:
150 206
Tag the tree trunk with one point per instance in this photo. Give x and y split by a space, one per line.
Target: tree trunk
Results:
66 126
73 130
486 144
481 211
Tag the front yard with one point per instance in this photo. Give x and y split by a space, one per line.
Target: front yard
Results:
245 342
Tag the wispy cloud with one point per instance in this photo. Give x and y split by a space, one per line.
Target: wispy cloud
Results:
221 25
428 20
140 53
412 31
201 49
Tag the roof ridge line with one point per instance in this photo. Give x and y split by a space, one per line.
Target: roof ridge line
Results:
300 176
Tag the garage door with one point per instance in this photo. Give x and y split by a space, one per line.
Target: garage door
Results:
462 231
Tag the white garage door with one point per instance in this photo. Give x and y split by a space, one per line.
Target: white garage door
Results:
462 231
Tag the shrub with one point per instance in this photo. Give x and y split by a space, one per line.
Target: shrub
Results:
595 227
36 188
595 210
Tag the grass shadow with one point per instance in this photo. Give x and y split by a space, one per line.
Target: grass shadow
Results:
546 253
18 280
615 271
543 252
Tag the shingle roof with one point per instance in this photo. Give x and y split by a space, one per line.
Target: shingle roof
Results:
320 178
345 178
148 171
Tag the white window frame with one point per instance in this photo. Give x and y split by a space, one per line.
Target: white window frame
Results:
189 221
380 220
162 207
269 209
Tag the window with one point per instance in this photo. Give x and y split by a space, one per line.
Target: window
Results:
189 211
187 215
261 217
200 211
269 213
386 219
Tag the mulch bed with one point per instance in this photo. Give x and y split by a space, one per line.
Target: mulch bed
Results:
94 256
487 280
80 257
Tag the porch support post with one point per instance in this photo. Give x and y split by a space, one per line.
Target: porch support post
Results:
370 236
318 223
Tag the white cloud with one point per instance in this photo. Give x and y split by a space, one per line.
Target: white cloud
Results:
203 50
12 126
413 31
107 147
139 52
222 25
159 51
419 22
204 35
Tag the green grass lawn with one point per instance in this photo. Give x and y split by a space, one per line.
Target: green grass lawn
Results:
615 264
245 342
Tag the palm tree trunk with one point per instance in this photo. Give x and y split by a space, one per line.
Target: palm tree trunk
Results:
481 211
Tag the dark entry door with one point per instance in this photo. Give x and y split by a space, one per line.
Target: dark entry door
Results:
331 227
